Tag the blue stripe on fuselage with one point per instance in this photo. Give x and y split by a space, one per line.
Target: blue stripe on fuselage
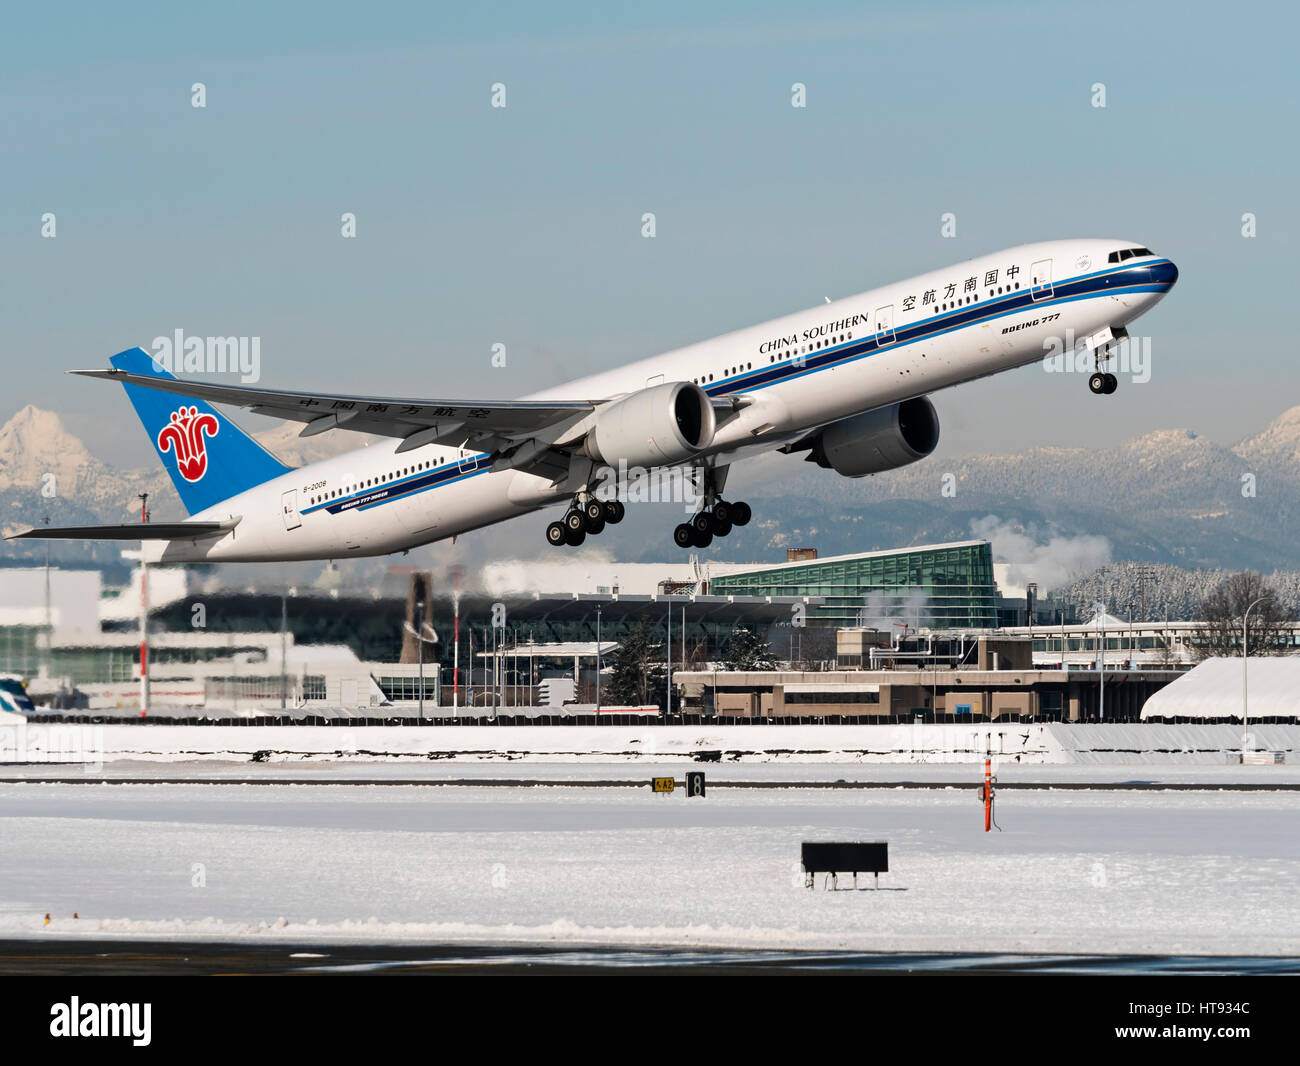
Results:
1158 276
404 487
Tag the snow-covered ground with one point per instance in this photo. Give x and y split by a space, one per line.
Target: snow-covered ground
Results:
1158 872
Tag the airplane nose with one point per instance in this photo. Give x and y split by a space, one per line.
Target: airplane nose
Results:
1163 275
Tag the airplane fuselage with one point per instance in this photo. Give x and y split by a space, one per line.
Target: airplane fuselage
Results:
795 374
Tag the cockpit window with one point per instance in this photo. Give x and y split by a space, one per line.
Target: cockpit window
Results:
1128 253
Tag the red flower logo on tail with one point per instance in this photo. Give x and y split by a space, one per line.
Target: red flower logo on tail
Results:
184 435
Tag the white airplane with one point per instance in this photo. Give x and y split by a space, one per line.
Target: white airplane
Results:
846 382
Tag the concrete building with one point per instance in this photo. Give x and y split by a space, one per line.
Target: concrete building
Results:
941 695
985 678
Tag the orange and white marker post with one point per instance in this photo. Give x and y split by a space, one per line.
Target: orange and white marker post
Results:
988 795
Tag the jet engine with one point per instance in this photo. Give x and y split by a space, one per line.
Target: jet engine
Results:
658 426
879 440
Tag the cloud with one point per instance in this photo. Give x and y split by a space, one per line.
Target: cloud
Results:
1052 563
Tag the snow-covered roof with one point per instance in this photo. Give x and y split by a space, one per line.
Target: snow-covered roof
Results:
1213 689
1106 621
558 649
317 653
749 568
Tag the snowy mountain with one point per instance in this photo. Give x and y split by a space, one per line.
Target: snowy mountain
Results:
47 471
1169 496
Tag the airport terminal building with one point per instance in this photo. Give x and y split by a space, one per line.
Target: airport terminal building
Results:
938 586
914 616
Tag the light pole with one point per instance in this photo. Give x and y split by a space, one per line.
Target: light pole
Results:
419 644
668 691
284 628
48 659
1100 608
1244 660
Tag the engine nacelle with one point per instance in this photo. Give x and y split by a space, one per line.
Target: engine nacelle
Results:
658 426
879 440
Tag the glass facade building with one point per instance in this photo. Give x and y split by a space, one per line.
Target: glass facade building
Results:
942 586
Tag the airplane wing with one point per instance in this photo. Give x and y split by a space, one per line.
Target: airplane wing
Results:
129 531
487 427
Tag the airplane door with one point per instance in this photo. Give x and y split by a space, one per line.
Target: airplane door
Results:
884 322
468 461
1040 279
289 509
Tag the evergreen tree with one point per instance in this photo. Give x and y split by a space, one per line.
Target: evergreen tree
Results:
637 672
746 650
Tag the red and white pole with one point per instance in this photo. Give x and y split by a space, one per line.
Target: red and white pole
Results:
455 640
144 614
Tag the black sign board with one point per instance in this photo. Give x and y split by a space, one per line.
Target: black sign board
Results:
828 858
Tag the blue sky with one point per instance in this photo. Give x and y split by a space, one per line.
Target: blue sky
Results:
522 226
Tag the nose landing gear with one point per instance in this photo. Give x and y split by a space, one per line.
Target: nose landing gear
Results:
1103 345
1102 384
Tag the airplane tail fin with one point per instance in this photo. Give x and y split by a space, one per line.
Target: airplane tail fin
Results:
208 457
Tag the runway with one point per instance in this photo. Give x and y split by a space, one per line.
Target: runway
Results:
1130 785
623 774
94 958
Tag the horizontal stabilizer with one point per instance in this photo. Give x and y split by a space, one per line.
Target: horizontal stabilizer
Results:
130 531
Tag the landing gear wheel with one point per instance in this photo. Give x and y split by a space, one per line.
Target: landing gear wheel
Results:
574 539
1097 383
684 535
1112 383
703 523
720 529
575 522
594 510
722 514
597 525
700 540
614 511
740 514
556 534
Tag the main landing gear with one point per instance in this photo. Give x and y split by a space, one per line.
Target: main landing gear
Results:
584 516
716 521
